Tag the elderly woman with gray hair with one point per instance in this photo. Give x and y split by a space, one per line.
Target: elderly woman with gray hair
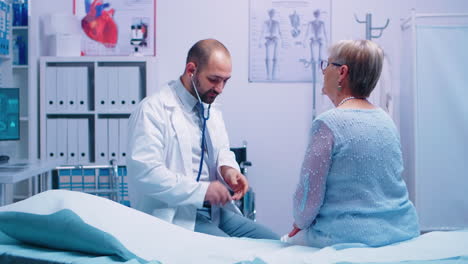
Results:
350 188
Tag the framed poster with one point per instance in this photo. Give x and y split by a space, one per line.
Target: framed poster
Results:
116 27
288 39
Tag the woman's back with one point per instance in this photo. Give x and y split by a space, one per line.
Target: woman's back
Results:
366 200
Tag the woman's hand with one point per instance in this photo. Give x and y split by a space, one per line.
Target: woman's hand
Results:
294 231
286 238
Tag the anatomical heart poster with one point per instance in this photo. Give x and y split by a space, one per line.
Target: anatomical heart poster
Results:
116 27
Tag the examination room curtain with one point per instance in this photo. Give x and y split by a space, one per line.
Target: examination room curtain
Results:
442 125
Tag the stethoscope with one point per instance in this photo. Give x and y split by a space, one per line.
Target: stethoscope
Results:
230 206
205 117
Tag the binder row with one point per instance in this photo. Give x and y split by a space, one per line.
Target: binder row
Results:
91 180
118 88
69 89
111 140
68 139
86 106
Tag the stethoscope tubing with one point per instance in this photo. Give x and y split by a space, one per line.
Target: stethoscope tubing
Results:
205 118
200 167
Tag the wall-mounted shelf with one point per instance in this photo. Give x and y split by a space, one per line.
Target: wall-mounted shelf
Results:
85 103
21 78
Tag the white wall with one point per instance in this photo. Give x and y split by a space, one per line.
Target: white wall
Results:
273 117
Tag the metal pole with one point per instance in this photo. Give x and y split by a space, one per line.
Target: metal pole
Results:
314 81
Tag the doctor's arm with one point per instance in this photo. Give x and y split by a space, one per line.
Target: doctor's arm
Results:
310 191
148 150
226 163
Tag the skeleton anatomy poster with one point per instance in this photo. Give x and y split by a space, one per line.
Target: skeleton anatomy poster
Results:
116 27
288 39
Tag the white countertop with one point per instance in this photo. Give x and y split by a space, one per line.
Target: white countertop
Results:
18 170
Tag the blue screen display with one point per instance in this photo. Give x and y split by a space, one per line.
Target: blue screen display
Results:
9 114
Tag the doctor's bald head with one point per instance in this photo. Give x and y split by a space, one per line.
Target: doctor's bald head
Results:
200 52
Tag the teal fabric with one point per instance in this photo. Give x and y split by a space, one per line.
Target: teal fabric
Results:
6 240
63 230
366 200
28 254
454 260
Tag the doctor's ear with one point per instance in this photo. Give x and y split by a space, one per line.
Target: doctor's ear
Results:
191 69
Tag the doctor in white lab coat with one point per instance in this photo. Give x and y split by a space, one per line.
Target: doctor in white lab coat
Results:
165 151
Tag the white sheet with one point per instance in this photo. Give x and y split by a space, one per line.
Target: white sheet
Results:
153 239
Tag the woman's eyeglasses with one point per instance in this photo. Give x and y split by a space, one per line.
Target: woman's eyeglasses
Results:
324 64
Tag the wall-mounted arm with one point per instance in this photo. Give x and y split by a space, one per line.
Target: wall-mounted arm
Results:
369 28
381 29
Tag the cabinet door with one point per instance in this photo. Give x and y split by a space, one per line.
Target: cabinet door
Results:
441 127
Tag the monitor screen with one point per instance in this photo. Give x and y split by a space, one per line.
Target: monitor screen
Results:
9 114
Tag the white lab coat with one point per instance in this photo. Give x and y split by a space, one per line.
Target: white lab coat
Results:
160 174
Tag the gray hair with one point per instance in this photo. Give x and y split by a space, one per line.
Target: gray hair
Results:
364 59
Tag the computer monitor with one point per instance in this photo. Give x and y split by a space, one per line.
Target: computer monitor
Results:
9 114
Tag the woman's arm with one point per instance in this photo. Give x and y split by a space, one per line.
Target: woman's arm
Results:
310 191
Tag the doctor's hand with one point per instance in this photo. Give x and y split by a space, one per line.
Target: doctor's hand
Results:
236 181
217 194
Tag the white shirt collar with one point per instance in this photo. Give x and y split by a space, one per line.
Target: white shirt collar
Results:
187 99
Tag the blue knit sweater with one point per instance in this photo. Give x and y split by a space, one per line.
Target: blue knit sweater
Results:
350 189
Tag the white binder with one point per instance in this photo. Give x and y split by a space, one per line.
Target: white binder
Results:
51 148
101 102
124 86
62 88
71 86
72 141
113 143
83 141
129 86
101 141
62 138
51 89
81 74
123 130
133 75
113 88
